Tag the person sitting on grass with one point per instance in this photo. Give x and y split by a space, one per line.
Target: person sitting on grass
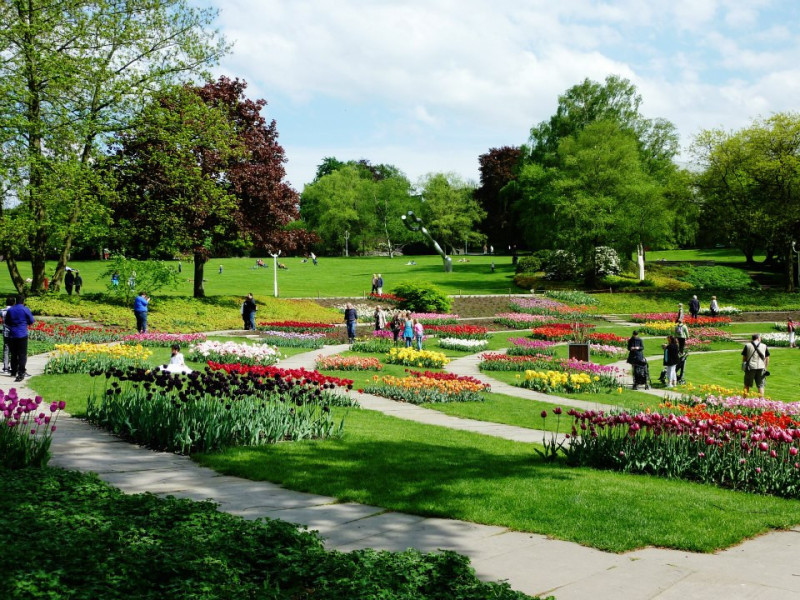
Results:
176 362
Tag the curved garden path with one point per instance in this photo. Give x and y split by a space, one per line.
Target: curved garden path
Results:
763 568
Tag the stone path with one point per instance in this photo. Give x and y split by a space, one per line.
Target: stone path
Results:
764 568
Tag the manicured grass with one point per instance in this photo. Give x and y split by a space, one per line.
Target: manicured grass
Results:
434 471
641 302
722 255
725 369
333 276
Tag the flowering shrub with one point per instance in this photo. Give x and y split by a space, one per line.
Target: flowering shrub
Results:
609 339
156 339
546 306
464 332
290 339
606 350
559 381
337 362
297 326
251 354
776 339
297 376
559 331
416 358
60 333
521 320
84 357
210 410
380 344
435 318
25 430
419 388
736 452
528 347
462 344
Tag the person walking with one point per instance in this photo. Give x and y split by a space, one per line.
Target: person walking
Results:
790 329
418 333
396 326
671 358
681 334
18 317
694 307
10 301
679 317
408 330
637 360
755 362
69 282
350 319
78 282
380 319
249 309
115 280
714 306
380 285
140 307
374 288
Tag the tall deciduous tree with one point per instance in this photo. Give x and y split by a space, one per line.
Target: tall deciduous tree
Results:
449 210
71 75
498 168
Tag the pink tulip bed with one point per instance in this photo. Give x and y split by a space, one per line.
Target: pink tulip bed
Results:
521 320
527 347
547 306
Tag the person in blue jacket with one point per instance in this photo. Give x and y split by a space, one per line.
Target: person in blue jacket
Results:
18 317
140 304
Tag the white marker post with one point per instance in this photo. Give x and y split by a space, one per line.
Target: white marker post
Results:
275 270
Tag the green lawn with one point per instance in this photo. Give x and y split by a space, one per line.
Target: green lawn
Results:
438 472
721 255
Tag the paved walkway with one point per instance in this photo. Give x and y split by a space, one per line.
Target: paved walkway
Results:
764 568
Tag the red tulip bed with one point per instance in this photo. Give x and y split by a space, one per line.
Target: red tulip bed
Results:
60 333
461 332
297 326
741 447
609 339
690 321
559 332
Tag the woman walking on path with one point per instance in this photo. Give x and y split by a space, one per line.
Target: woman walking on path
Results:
397 326
671 358
408 330
714 308
418 332
380 319
350 318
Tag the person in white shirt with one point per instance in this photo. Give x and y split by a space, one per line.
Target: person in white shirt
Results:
176 362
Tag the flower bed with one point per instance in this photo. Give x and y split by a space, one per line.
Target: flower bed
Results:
462 344
725 311
298 376
365 312
607 351
60 333
26 430
337 362
528 347
297 326
698 345
435 318
84 357
558 381
710 334
290 339
720 321
657 328
776 339
417 358
609 339
495 361
559 331
377 344
734 451
419 388
521 320
463 332
386 298
208 411
156 339
251 354
546 306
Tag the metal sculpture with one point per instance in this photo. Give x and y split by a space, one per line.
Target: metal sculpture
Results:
414 223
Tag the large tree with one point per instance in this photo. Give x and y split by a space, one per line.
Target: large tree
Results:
202 172
449 210
498 168
71 75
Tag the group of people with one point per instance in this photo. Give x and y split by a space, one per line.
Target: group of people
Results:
694 308
377 284
401 325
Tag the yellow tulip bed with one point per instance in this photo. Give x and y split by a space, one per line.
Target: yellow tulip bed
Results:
559 381
411 357
85 357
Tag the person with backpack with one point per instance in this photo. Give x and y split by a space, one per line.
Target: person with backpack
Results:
755 362
681 334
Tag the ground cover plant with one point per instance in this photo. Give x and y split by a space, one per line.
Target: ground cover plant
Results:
444 470
428 387
134 540
720 321
209 410
26 429
233 352
84 358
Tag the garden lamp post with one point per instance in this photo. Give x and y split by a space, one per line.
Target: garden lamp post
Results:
275 270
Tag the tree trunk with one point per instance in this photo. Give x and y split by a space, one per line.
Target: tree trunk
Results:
13 271
200 260
788 272
748 257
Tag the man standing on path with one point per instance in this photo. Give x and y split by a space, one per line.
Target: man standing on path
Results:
140 304
249 312
18 317
694 307
350 319
755 361
69 281
10 301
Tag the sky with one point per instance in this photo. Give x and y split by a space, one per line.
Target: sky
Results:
430 85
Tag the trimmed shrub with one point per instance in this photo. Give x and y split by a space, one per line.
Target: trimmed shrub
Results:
422 297
529 264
